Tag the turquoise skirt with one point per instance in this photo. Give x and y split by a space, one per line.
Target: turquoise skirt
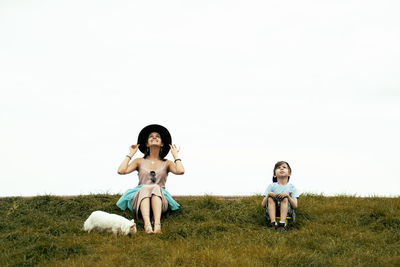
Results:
125 200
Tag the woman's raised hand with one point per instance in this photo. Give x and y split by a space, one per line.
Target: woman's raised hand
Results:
174 151
133 149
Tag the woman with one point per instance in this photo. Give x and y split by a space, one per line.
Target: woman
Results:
154 142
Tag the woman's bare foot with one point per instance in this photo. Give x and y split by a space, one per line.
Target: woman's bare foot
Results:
148 229
157 228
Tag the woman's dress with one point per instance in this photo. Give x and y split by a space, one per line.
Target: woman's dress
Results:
146 189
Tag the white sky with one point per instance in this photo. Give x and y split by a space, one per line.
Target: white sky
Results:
239 84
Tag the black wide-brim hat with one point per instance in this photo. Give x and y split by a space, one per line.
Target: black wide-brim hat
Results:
165 138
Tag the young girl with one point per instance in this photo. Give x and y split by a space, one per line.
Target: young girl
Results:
281 195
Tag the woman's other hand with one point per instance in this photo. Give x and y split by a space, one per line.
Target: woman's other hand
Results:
133 149
174 151
177 166
128 166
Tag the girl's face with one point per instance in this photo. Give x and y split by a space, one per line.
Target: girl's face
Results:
154 139
282 171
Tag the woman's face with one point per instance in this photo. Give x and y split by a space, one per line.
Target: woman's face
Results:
154 139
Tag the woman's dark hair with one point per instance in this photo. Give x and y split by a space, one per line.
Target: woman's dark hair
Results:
147 151
277 165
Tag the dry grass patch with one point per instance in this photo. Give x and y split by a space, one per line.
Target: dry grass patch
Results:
206 231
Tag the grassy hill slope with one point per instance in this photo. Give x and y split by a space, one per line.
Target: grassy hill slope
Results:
206 231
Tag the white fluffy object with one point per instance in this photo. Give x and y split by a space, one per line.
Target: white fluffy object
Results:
103 221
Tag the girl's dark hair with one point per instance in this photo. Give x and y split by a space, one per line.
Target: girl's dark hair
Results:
147 151
277 165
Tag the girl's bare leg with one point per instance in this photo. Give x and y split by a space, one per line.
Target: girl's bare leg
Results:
284 209
145 210
156 205
271 209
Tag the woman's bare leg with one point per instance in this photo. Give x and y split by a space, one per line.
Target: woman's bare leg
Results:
145 210
156 205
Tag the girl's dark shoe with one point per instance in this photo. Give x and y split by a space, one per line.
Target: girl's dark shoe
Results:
282 227
272 226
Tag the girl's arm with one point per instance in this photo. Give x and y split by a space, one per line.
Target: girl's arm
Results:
264 202
177 166
126 166
293 202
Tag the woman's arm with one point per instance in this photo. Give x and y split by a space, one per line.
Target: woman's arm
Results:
126 166
177 166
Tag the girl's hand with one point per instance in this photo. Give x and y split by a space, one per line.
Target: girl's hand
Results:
133 149
281 196
273 195
174 151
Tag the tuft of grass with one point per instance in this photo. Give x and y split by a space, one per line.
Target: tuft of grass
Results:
206 231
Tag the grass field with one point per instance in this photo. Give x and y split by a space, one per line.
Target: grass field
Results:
206 231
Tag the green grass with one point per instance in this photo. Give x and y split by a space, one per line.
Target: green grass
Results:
206 231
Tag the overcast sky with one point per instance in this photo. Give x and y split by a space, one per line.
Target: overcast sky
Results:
239 84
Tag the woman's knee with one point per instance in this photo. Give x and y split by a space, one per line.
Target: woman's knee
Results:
155 197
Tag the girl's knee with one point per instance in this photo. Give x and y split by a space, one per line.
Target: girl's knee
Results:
271 201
